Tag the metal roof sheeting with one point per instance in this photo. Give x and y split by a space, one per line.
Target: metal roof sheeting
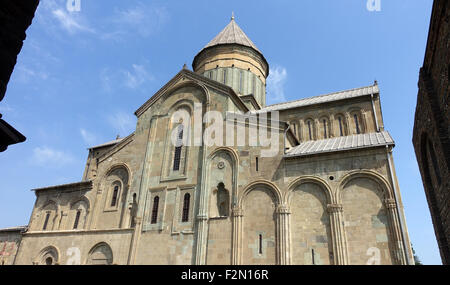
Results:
341 144
357 92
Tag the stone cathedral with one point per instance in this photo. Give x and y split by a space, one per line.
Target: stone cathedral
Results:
330 195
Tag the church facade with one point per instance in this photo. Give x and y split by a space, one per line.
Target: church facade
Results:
328 194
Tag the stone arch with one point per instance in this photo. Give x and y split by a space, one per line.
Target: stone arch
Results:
369 174
52 208
231 184
310 129
117 175
189 83
308 198
100 254
327 128
259 203
314 180
272 188
172 132
367 223
220 190
342 124
48 256
362 124
81 204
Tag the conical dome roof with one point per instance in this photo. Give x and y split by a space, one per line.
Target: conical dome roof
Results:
232 34
228 42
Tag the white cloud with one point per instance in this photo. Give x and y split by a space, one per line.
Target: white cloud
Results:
137 76
25 74
142 19
72 22
48 156
89 138
122 122
275 85
132 78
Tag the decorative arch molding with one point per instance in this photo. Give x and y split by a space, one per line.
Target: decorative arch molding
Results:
331 199
117 166
184 103
264 183
48 252
49 206
369 174
97 249
361 113
51 202
101 183
83 199
229 150
84 215
235 164
189 83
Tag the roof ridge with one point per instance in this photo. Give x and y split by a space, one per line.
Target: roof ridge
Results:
318 96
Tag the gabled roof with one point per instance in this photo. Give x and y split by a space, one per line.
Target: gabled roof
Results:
341 144
342 95
116 141
187 74
232 34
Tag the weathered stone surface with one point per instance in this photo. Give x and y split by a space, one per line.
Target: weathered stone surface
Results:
431 136
224 204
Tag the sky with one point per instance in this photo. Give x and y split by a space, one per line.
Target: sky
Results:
81 75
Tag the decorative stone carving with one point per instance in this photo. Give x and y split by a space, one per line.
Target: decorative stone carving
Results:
334 208
390 203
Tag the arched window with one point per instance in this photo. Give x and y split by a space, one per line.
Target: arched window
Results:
186 202
294 128
77 220
49 261
310 129
357 128
178 149
155 210
115 195
325 135
48 256
47 217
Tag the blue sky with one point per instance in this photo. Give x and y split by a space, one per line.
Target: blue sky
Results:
81 75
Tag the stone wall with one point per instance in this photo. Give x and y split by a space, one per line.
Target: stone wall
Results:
431 136
9 243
